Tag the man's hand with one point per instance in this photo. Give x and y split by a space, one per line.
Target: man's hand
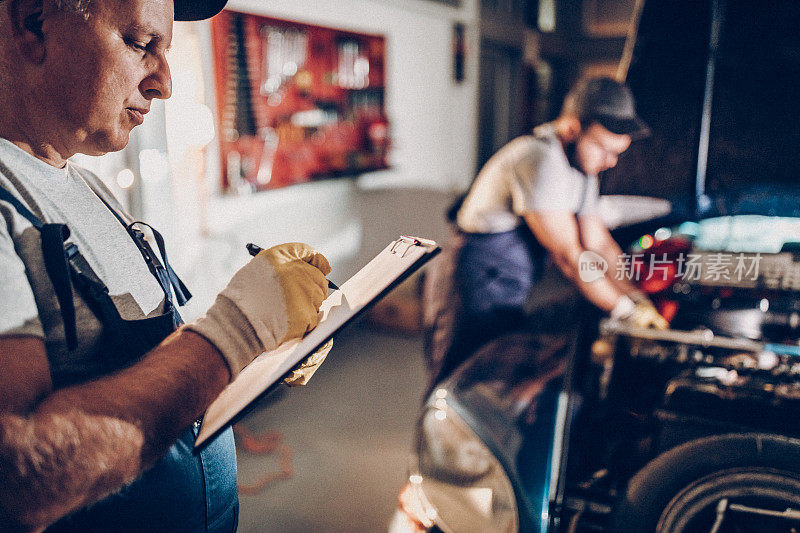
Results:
301 374
645 316
273 298
641 313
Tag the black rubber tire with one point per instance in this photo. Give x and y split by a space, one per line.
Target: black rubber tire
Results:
651 491
698 502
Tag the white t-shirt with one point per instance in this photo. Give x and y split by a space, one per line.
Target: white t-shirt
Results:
529 174
28 305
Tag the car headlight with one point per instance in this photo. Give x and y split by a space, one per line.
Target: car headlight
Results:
460 481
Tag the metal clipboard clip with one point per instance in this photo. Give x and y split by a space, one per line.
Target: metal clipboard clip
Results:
402 245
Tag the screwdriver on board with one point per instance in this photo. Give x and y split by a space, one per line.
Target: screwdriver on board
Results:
253 250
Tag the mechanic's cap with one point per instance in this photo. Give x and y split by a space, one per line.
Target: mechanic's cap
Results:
197 9
610 104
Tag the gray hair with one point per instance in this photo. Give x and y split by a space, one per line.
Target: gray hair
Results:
80 7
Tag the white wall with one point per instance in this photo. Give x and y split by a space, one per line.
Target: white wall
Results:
433 122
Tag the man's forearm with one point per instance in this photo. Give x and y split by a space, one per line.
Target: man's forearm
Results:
84 442
53 464
559 233
601 292
162 394
612 253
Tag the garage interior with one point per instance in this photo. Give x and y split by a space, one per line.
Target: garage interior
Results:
349 154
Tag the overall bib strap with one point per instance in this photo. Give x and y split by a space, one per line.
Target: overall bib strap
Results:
166 277
21 209
182 293
56 254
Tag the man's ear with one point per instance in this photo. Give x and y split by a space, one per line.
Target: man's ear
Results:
27 17
569 127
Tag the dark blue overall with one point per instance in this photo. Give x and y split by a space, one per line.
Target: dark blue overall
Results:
183 491
492 278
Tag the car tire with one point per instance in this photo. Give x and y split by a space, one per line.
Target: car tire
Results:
695 476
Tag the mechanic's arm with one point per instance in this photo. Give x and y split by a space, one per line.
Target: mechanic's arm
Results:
558 232
81 443
62 450
595 236
637 307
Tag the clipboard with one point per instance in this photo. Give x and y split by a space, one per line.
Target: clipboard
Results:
383 273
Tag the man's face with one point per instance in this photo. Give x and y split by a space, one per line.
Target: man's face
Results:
598 149
101 74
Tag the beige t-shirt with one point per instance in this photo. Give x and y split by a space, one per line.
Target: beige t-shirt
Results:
28 304
529 174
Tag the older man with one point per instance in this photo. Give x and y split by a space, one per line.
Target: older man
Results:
99 383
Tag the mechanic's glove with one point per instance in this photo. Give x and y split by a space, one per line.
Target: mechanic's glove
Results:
645 315
306 368
273 298
638 296
641 314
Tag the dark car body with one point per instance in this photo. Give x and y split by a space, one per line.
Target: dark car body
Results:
564 427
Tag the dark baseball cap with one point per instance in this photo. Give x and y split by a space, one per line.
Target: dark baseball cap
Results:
197 9
610 104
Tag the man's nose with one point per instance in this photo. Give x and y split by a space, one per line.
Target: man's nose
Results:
158 84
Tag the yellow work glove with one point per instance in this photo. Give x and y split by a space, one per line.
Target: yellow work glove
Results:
641 314
645 315
303 371
273 298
